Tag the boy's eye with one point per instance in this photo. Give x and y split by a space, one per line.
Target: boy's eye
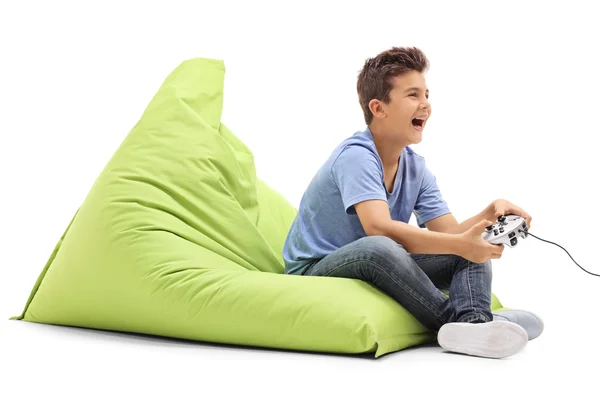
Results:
412 94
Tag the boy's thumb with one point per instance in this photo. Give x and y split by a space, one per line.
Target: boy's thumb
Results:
483 224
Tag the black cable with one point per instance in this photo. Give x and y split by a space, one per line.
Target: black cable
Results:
529 233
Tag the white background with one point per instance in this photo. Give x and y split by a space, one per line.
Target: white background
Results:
514 89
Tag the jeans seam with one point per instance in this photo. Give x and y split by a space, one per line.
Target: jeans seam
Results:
413 294
469 285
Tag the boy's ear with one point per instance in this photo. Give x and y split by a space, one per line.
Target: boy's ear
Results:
376 108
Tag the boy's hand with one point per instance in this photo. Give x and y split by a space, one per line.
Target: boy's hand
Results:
505 207
472 246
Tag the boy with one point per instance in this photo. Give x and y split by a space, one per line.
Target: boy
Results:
353 219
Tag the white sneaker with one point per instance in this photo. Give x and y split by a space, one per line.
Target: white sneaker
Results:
531 322
495 339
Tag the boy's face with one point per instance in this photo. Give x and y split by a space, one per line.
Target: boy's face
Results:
405 116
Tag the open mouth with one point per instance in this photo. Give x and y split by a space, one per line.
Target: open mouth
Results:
418 123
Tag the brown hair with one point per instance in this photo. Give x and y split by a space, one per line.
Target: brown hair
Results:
375 79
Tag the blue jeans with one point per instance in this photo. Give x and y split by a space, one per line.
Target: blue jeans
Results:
416 281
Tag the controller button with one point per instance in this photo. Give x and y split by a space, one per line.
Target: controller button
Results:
513 241
495 232
501 229
501 218
512 234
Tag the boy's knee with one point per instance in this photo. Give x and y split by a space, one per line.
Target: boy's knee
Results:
486 266
381 247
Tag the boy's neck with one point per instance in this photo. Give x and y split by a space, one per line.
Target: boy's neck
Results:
389 152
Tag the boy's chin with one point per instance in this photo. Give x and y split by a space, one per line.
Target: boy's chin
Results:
416 138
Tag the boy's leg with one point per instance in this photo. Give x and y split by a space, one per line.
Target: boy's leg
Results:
413 281
470 284
476 331
383 263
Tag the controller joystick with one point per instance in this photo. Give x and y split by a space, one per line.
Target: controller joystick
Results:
506 230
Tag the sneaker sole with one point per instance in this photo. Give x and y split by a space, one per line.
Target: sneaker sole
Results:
533 331
495 339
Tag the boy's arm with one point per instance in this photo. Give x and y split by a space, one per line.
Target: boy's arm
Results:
448 224
375 218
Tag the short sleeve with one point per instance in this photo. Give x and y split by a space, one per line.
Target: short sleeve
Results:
357 173
430 203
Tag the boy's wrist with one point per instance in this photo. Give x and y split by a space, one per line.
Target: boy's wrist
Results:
456 243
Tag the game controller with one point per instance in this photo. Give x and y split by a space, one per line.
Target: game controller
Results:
509 228
506 230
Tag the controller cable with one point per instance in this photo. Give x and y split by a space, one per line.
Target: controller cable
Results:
526 232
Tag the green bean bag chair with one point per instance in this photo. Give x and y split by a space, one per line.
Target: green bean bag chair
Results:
179 238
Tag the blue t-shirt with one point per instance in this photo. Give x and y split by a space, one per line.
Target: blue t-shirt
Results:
326 218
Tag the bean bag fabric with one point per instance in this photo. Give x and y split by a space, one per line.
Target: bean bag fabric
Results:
179 238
